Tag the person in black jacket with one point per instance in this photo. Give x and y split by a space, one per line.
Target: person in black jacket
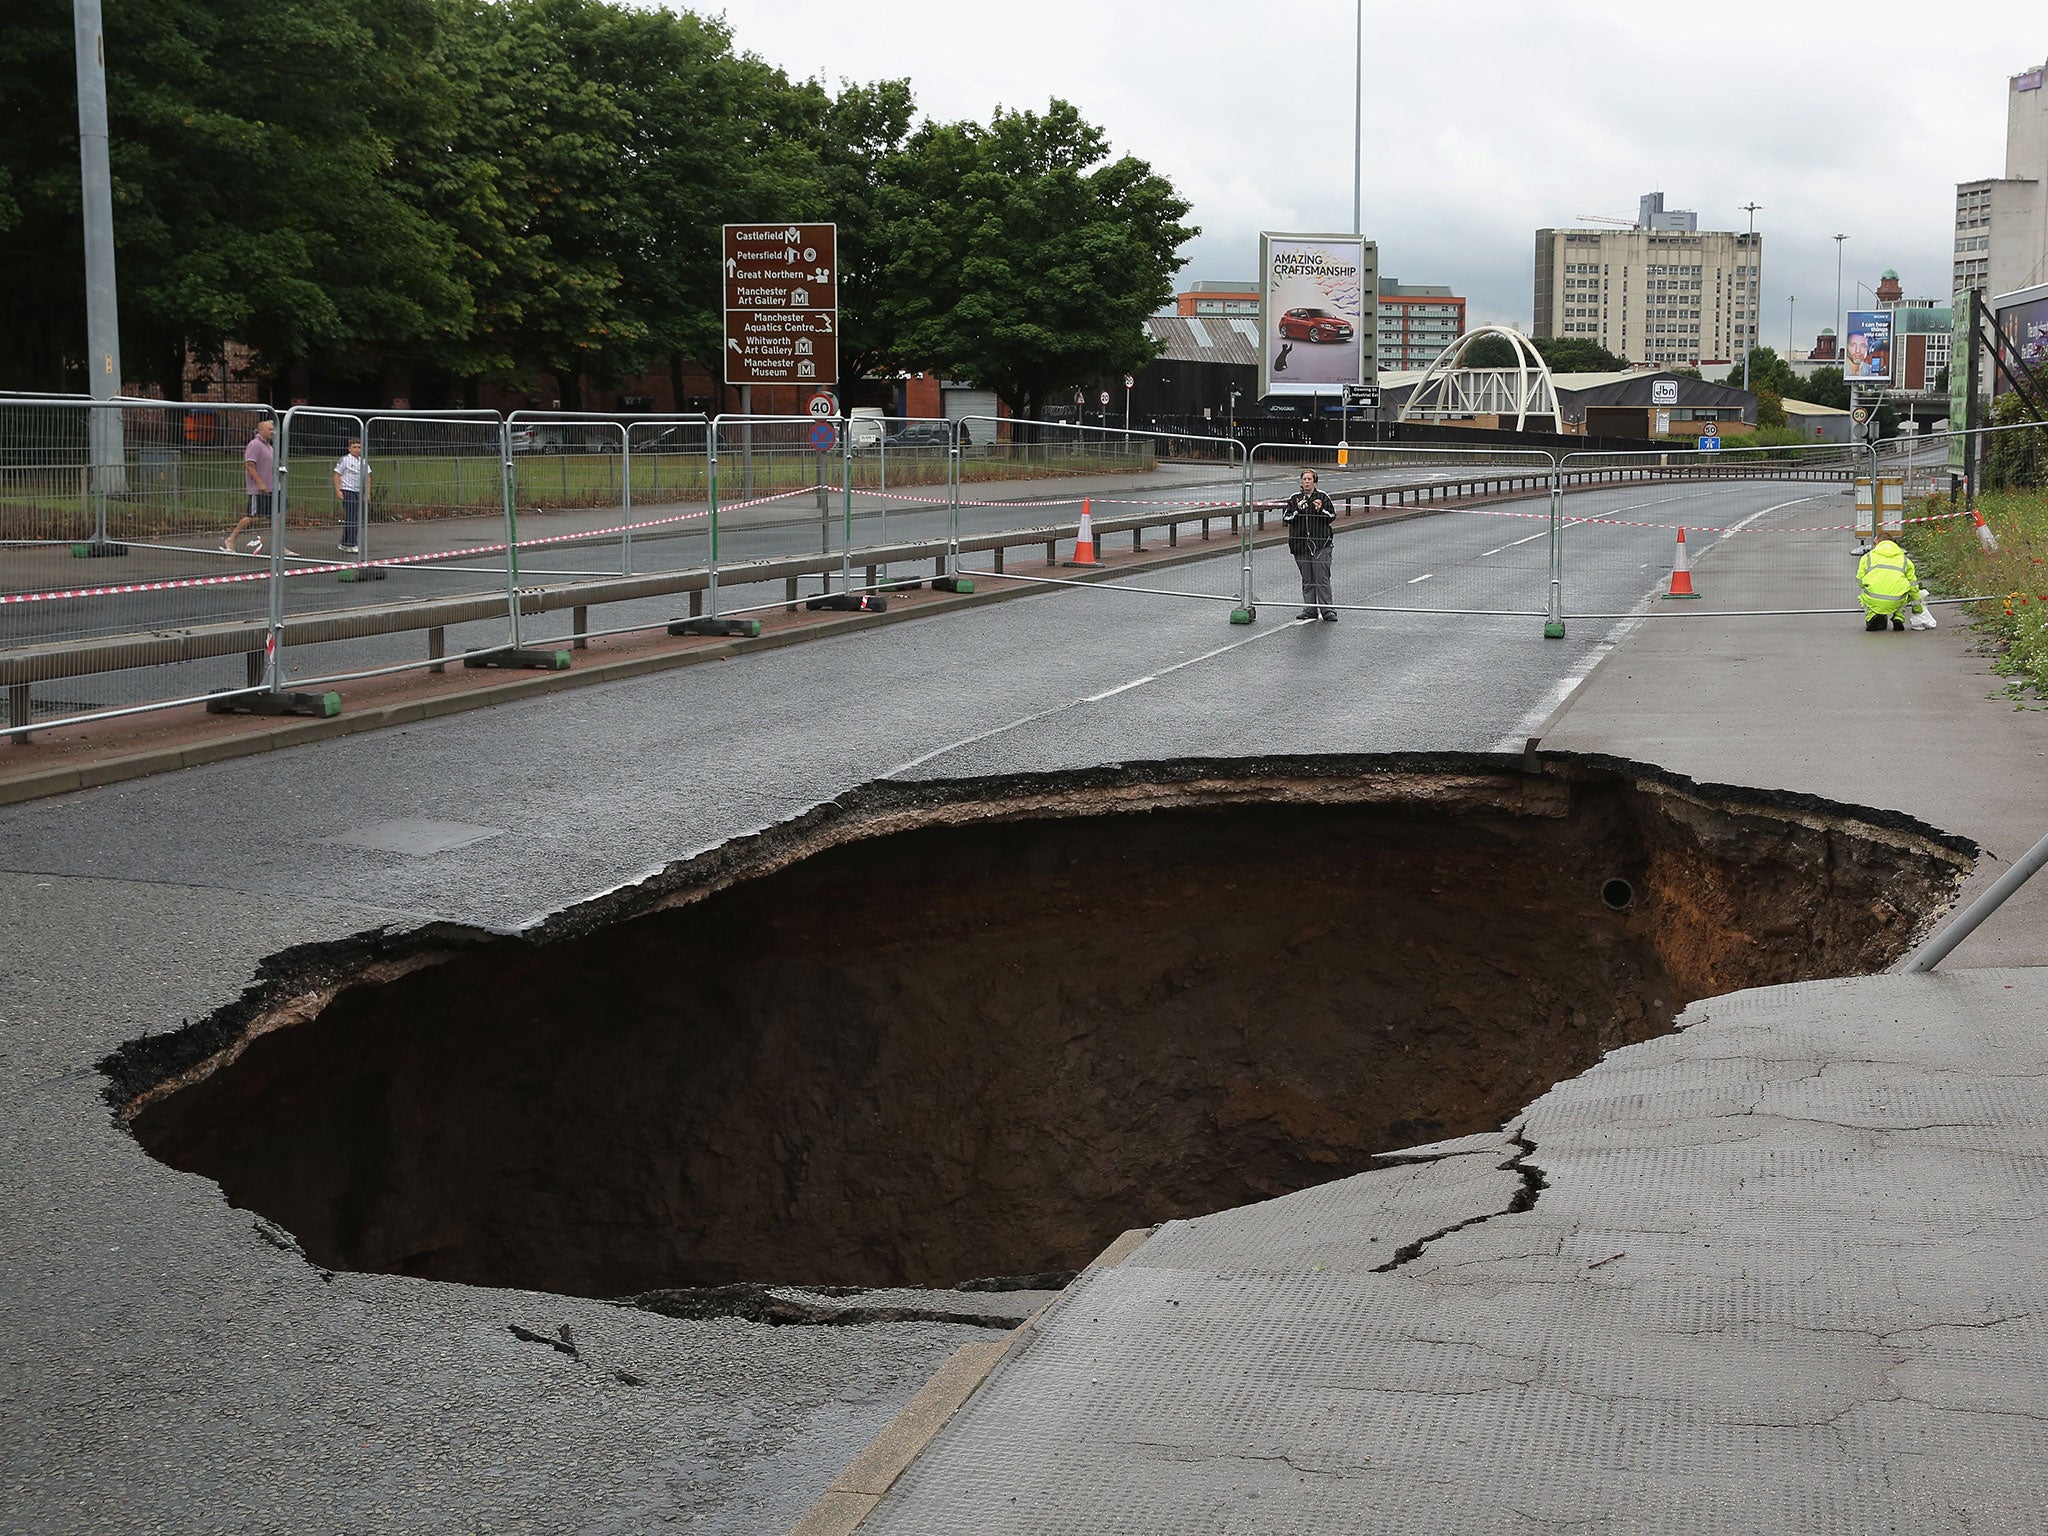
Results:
1311 519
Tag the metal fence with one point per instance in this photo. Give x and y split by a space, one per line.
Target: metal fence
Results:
478 540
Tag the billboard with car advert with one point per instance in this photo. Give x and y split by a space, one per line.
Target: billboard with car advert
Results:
1867 353
1318 307
2023 327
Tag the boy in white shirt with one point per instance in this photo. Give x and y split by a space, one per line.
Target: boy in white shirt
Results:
348 490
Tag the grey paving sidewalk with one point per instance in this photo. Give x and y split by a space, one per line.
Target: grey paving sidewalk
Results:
1784 1273
1915 722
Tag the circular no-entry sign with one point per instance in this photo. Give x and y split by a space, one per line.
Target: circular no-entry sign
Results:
823 436
822 405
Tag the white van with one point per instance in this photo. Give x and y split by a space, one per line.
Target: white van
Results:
865 426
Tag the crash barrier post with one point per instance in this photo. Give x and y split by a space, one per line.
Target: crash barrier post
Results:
1495 555
112 517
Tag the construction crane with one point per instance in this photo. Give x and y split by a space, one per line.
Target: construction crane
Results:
1601 218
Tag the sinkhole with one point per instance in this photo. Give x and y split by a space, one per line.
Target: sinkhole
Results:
941 1030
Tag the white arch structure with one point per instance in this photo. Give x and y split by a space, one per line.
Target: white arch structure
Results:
1445 391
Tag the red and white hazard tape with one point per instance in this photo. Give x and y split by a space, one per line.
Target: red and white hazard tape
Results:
322 567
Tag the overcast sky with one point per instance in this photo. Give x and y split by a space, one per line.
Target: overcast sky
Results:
1487 120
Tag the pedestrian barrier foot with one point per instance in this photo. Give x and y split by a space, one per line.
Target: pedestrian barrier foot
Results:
961 584
519 658
849 602
363 573
745 629
97 549
1243 615
319 705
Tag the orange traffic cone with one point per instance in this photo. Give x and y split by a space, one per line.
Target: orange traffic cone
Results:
1984 534
1681 572
1084 540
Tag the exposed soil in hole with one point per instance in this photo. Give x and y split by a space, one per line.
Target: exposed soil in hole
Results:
934 1031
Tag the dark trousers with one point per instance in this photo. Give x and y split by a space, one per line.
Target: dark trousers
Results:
1315 579
351 517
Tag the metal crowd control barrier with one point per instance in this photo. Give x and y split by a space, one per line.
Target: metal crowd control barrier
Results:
110 538
1765 531
1056 451
447 490
1497 558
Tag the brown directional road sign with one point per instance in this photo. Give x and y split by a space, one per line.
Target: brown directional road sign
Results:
782 304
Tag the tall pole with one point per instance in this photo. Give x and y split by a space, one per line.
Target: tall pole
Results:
1750 327
1791 324
1358 122
96 188
1841 359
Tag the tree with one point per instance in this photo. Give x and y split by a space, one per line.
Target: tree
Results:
1826 387
1767 370
1022 258
710 137
858 138
252 149
1770 407
1578 354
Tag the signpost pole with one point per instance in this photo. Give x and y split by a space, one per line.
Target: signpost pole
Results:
846 475
747 442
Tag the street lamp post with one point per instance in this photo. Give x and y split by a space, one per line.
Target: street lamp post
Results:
1791 324
1358 122
1749 325
1838 293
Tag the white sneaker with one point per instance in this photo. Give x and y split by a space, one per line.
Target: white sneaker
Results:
351 549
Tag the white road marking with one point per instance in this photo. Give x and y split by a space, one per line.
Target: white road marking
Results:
1092 698
1781 506
1423 577
1530 540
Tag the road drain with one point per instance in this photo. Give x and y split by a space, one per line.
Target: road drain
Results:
934 1031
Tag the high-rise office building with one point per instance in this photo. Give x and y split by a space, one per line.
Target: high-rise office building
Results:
1417 321
1673 295
2002 221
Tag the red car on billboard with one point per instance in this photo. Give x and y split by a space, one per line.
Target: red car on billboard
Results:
1314 325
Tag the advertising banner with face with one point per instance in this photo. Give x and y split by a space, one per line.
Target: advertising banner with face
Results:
1867 353
1318 307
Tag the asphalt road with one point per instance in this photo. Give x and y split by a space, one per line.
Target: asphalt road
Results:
169 1369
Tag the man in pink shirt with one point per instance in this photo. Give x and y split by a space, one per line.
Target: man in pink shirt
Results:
259 472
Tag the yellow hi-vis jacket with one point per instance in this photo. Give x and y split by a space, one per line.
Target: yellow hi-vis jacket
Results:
1887 579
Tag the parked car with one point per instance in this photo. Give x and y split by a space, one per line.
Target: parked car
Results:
865 426
1314 325
922 434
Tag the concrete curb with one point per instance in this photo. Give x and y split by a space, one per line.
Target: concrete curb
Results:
854 1493
38 784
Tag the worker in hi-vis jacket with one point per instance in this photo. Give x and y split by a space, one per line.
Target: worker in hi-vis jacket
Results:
1311 519
1887 583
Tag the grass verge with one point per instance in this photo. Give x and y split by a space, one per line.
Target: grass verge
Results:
2014 618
